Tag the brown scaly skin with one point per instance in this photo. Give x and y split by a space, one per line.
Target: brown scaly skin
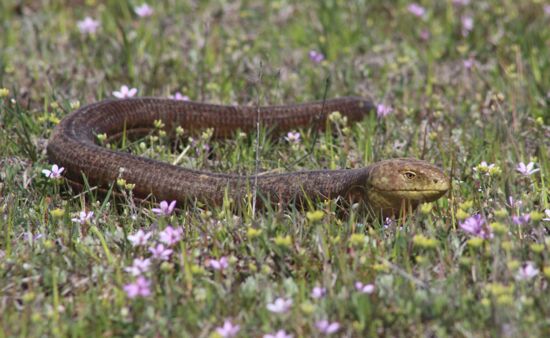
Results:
386 186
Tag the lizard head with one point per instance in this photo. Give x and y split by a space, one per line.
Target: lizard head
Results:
404 182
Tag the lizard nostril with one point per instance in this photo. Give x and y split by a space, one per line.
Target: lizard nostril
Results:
435 180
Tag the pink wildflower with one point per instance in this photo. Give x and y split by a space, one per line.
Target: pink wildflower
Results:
165 208
293 137
139 288
521 220
170 235
139 238
125 92
55 173
475 226
318 292
461 2
160 252
526 170
325 327
364 288
88 25
280 305
468 64
527 271
144 10
416 10
278 334
179 97
220 264
513 203
383 110
228 329
316 56
467 25
424 35
139 266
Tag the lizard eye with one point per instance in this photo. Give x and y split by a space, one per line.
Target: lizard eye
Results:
409 175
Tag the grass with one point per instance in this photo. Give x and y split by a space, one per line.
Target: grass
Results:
431 278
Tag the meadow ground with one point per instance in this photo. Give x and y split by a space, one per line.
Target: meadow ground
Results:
463 84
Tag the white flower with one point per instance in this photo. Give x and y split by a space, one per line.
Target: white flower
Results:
484 168
83 217
55 173
280 305
125 92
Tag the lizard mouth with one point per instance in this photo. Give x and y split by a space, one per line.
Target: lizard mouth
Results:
425 195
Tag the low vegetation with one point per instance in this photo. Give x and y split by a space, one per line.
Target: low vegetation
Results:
463 84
